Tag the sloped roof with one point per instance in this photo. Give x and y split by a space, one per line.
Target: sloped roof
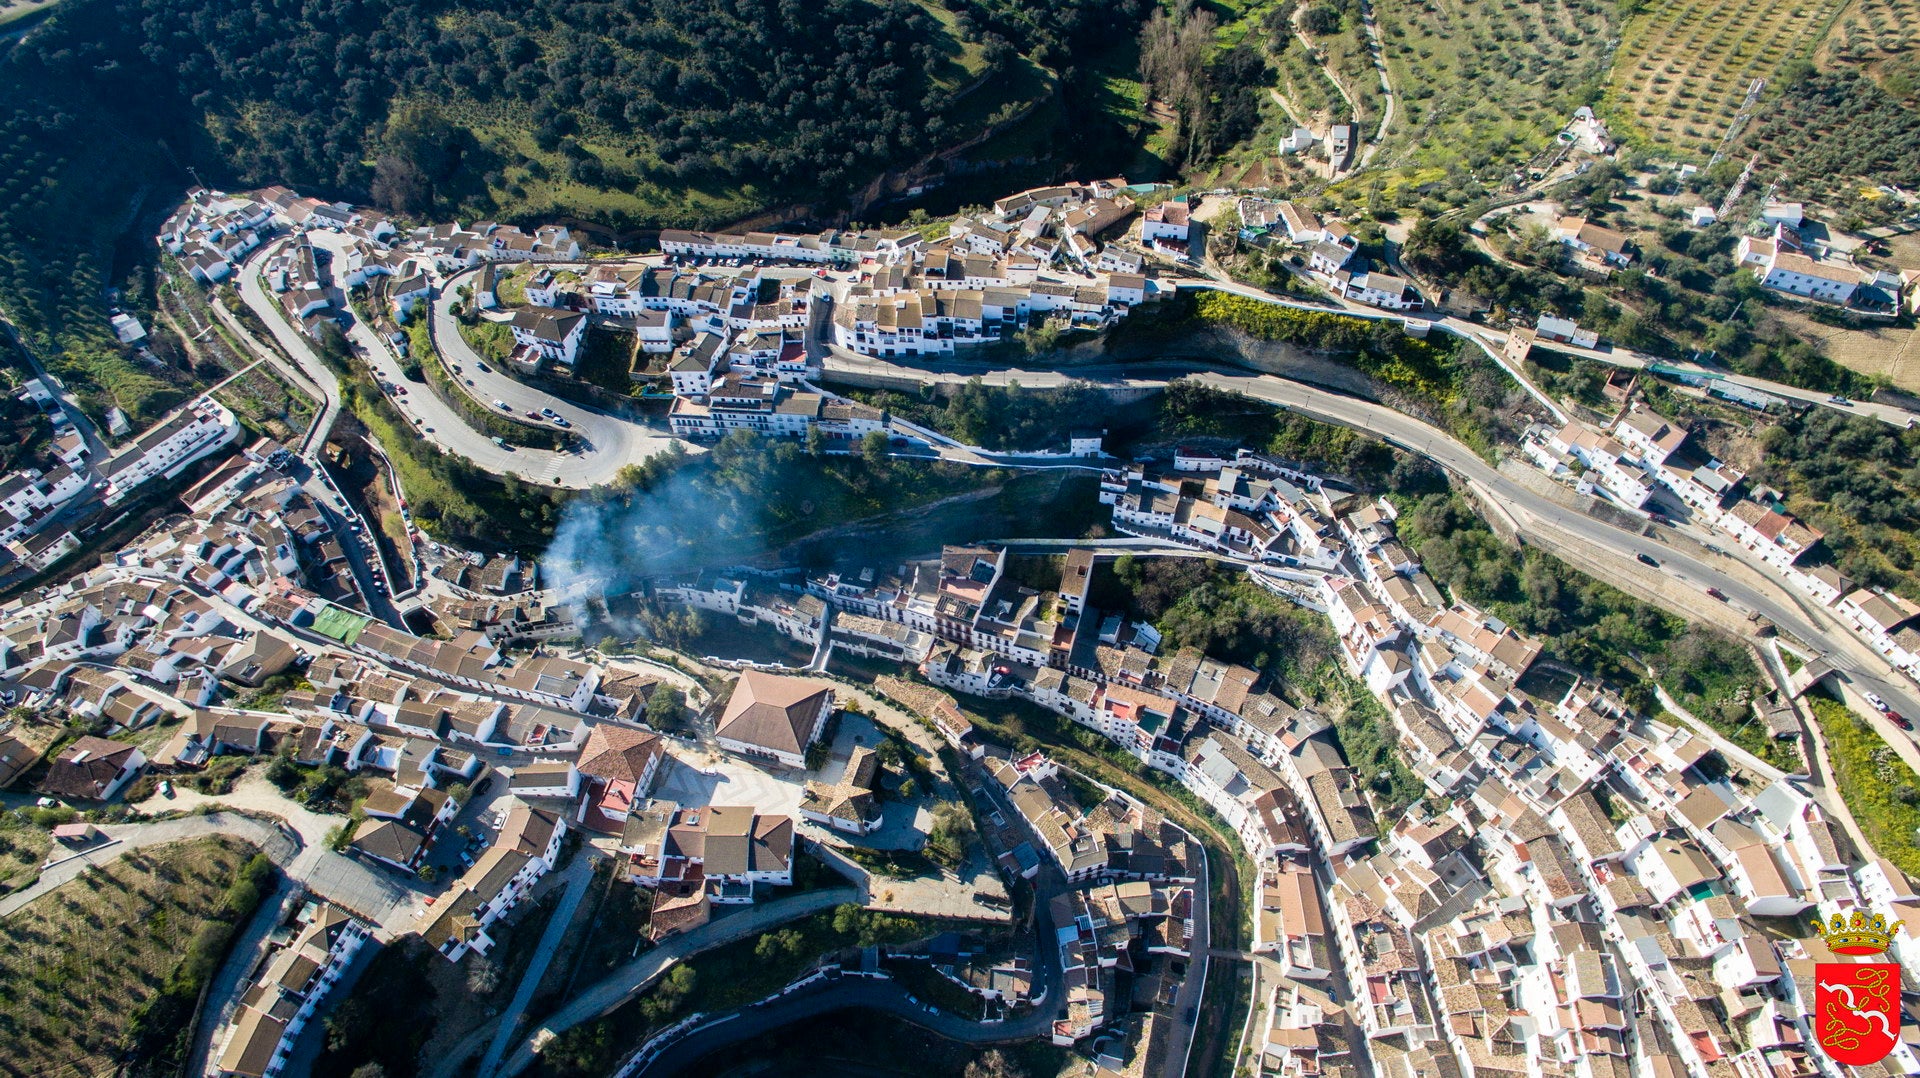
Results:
778 713
619 752
87 767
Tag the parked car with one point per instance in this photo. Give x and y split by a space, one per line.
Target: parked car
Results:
1874 699
1900 720
1646 559
1718 594
503 406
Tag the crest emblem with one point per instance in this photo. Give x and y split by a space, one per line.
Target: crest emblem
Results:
1856 1005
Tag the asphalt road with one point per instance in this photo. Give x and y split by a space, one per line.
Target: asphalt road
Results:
634 977
1495 341
614 442
1601 549
862 993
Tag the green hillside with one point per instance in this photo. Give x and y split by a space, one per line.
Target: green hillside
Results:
626 114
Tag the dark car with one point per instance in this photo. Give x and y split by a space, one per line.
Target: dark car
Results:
1718 594
1646 559
1900 720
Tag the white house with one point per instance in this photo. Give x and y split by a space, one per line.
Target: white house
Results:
167 449
1167 224
550 332
525 850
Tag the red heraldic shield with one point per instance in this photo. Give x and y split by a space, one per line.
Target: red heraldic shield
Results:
1856 1010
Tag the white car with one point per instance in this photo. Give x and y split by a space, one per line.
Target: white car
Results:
503 406
1874 699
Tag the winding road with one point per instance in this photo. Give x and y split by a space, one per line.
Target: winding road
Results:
1675 580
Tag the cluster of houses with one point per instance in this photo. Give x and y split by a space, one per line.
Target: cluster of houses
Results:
1582 894
215 604
156 632
1331 252
1248 505
1124 929
285 989
43 510
1643 454
213 232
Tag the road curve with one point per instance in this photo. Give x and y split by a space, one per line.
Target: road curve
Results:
850 993
1600 549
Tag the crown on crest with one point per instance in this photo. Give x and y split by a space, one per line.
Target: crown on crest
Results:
1858 934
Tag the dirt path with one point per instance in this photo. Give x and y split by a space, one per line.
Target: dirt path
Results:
1293 114
1377 50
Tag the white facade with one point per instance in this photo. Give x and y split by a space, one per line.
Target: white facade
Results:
166 450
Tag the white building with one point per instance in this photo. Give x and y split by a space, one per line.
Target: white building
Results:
167 449
526 848
550 332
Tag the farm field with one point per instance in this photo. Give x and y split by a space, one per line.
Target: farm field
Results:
1890 352
1485 84
79 964
1684 66
1873 31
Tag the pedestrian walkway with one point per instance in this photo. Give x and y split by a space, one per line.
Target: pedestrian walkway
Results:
636 976
579 878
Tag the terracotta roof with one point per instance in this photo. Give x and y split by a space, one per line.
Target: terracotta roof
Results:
86 768
778 713
619 752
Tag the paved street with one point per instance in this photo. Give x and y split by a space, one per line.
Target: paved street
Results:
579 878
1595 546
614 442
124 838
634 977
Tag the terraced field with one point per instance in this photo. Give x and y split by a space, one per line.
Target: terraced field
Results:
1487 82
1684 65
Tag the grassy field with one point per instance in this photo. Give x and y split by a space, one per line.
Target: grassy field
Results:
1485 84
1883 793
265 401
22 849
79 964
1684 66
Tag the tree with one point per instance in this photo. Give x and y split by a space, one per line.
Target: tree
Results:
816 441
873 450
283 772
993 1063
665 707
1321 20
